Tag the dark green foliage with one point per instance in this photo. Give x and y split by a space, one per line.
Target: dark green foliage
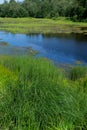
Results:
75 9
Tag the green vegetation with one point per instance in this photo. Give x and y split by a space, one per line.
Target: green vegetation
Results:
3 43
36 95
45 26
75 9
77 72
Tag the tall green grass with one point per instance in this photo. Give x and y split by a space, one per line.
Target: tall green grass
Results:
36 95
78 72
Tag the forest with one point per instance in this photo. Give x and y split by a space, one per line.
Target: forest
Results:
76 10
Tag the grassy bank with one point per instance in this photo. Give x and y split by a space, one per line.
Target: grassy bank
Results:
33 25
35 95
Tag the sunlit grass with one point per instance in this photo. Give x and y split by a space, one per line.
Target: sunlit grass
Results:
38 96
35 25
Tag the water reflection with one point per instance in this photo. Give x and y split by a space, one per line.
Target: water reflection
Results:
65 48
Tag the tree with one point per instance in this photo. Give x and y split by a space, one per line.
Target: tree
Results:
75 9
31 7
4 9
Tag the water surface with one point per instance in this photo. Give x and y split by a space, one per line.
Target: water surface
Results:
59 48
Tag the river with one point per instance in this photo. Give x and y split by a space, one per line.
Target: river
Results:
61 48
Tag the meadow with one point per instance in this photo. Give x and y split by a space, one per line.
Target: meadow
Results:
36 95
44 26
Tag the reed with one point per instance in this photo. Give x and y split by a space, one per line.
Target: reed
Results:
35 95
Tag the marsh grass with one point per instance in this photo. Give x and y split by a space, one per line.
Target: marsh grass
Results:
77 72
37 96
44 26
3 43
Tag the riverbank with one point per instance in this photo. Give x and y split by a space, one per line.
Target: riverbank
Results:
44 26
36 95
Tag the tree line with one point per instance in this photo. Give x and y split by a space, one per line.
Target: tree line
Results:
74 9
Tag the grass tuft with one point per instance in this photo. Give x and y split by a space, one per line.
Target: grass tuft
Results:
36 96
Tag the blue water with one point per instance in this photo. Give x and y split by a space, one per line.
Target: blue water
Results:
59 48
